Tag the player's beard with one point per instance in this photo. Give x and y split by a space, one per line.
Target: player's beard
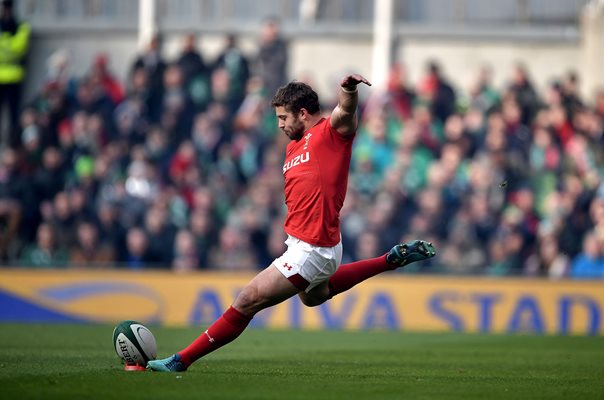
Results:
295 131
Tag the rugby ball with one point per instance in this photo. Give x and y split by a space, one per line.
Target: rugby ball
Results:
134 343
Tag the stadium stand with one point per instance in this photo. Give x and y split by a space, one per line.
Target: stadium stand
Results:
179 167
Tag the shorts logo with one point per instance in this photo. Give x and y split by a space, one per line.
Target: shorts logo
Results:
286 265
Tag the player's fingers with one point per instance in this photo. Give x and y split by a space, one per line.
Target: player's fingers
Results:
355 79
361 79
365 81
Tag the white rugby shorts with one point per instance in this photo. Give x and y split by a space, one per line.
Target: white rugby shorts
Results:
306 265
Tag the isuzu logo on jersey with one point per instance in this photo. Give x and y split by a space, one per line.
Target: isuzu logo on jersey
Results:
297 160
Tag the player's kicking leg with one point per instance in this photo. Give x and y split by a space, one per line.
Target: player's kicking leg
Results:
268 288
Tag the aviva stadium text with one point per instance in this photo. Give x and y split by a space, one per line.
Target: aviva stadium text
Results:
393 302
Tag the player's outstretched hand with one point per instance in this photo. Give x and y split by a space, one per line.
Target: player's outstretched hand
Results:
353 80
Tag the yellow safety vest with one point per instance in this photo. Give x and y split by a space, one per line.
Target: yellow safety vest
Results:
12 50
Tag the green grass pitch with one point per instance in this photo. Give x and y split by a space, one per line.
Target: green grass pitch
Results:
78 361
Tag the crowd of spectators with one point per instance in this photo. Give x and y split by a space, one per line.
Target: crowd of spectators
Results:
505 182
180 167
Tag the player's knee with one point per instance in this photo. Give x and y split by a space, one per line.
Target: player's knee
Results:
310 301
315 297
249 300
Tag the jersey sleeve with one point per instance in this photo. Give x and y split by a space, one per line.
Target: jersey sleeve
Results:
335 139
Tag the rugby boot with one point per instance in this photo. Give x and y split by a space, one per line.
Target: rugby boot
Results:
406 253
170 364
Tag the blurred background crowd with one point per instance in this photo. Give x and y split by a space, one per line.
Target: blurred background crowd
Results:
180 167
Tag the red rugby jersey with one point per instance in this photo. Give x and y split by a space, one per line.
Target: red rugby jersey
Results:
316 176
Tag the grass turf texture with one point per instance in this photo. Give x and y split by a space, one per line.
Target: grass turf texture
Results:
77 361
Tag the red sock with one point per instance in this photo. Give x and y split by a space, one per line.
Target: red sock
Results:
349 275
223 331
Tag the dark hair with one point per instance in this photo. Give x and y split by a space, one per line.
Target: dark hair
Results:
295 96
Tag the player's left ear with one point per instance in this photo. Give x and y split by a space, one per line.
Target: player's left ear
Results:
303 114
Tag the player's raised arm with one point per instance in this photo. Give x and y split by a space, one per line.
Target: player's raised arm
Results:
343 116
